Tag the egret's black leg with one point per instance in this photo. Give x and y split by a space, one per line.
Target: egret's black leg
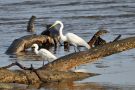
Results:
75 68
48 61
55 43
59 42
43 62
66 46
32 68
74 48
78 48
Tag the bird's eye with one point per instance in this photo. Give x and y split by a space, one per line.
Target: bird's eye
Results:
32 47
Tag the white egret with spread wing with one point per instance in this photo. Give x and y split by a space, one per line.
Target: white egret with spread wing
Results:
44 53
71 37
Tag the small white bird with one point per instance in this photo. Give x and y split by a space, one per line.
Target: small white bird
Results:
71 37
43 53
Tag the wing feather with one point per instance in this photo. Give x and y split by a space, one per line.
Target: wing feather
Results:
72 38
47 54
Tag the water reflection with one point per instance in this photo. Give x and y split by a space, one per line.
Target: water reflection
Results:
83 86
15 86
72 86
29 55
65 86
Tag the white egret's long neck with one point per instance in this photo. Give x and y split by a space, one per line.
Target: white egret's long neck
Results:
36 50
63 38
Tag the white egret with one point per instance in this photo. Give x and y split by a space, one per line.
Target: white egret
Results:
44 53
71 37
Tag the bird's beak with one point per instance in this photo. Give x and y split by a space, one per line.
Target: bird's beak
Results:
53 25
32 48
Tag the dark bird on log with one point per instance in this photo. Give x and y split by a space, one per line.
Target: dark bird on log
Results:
53 33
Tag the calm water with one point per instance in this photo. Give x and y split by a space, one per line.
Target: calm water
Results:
82 17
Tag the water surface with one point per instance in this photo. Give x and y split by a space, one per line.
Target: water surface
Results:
82 17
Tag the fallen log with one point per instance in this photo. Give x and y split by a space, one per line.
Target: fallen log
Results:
41 76
58 70
25 42
75 59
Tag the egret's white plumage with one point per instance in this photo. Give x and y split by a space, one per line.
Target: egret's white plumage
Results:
44 53
71 37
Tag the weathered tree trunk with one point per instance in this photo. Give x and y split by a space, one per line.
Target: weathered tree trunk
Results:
21 44
40 76
75 59
31 26
58 69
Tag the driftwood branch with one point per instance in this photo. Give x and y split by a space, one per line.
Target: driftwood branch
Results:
25 42
19 65
58 70
75 59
